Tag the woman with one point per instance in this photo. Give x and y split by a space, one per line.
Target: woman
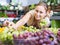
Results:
33 17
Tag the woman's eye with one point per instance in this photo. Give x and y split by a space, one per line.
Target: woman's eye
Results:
36 10
41 12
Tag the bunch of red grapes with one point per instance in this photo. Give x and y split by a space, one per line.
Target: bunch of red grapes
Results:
58 36
44 37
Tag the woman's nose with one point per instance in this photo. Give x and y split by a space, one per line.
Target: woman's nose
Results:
38 14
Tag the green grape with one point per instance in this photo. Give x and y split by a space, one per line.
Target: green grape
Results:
6 30
22 32
54 30
15 32
3 37
9 35
43 23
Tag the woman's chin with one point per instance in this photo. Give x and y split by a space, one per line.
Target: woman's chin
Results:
37 18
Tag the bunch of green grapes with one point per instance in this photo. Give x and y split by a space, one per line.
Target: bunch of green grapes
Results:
53 30
6 35
32 29
43 23
29 28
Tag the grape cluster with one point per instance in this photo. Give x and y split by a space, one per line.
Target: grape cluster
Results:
6 36
44 37
25 28
58 36
54 30
43 23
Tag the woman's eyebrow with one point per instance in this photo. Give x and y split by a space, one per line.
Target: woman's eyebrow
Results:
36 10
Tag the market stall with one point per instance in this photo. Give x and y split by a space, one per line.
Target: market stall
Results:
13 11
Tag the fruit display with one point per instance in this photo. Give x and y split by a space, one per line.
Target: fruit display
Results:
29 36
7 32
6 35
30 28
58 36
44 37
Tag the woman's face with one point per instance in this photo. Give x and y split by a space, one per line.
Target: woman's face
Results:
40 12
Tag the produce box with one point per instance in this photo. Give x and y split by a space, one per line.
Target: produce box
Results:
29 36
44 37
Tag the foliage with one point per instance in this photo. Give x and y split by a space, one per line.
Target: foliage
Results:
32 6
52 3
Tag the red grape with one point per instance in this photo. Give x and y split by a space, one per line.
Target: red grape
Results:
15 36
20 36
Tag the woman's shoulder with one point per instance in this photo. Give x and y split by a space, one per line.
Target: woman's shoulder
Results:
47 19
31 12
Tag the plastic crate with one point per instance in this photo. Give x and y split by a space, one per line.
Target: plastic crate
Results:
18 42
24 41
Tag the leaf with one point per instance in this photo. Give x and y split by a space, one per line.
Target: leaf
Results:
53 24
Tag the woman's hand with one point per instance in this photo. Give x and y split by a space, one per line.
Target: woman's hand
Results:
8 24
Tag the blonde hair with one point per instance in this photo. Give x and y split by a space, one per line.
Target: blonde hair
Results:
47 8
43 4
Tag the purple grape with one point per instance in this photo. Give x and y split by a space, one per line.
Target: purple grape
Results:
35 34
58 33
25 35
15 36
58 39
46 34
37 39
27 42
46 37
52 43
36 42
47 31
47 41
29 36
33 42
48 44
55 42
38 33
32 34
20 36
41 37
43 44
40 41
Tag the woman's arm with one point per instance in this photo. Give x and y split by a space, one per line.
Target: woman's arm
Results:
22 21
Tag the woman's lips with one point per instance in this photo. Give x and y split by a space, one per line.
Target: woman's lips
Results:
37 18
